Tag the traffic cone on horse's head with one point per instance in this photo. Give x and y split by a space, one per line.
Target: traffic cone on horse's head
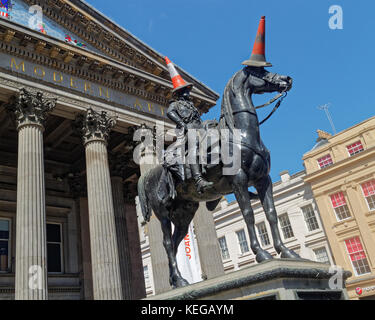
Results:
258 56
178 82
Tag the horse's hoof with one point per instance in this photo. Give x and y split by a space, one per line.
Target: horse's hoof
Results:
289 254
263 256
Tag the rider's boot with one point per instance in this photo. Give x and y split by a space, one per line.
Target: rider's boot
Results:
200 183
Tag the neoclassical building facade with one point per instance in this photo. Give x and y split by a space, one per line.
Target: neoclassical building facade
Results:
74 86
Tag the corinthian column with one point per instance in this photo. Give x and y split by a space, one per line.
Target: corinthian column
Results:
30 112
104 251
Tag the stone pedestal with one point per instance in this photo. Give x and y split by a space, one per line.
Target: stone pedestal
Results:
104 251
278 279
30 112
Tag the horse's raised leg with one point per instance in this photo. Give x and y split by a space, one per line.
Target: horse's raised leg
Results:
264 188
175 278
240 189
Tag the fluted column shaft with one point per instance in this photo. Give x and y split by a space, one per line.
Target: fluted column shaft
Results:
30 111
122 236
104 251
31 256
95 128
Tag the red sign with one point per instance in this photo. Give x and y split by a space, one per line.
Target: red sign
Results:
358 290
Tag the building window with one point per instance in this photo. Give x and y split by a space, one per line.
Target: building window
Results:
263 234
310 218
242 241
357 256
286 227
224 248
369 193
355 148
54 248
146 275
325 161
340 206
321 255
4 245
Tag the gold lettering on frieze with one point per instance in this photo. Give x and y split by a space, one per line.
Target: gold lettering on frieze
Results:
137 104
87 87
72 83
101 92
59 74
57 77
162 111
150 107
13 63
39 71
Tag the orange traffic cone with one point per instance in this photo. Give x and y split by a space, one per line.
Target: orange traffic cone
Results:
258 56
178 82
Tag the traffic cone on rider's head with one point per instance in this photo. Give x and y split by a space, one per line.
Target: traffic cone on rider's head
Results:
258 56
178 82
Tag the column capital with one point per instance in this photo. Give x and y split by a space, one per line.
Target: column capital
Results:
95 126
29 108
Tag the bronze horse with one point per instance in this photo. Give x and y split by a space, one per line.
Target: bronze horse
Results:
237 112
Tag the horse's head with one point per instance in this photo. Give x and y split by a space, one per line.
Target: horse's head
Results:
264 81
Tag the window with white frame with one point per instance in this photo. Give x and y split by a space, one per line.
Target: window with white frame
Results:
224 248
357 256
339 205
4 245
310 218
321 255
54 248
368 189
146 275
325 161
286 227
355 148
263 234
242 241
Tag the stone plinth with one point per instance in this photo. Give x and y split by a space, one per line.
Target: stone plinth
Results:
278 279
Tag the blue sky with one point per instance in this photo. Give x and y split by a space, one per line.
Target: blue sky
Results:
210 39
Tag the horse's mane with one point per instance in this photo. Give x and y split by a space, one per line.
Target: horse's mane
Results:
226 117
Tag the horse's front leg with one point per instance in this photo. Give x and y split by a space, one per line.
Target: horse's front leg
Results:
175 278
264 188
239 183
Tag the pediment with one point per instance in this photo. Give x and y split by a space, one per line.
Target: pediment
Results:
81 26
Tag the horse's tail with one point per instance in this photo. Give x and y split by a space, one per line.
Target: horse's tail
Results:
143 200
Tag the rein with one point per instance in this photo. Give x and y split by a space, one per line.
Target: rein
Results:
280 96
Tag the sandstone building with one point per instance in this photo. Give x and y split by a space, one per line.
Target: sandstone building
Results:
341 172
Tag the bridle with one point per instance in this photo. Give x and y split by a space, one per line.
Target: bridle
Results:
280 96
269 77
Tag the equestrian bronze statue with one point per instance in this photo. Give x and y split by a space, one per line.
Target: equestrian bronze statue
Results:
237 112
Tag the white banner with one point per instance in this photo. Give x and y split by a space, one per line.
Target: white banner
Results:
188 258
